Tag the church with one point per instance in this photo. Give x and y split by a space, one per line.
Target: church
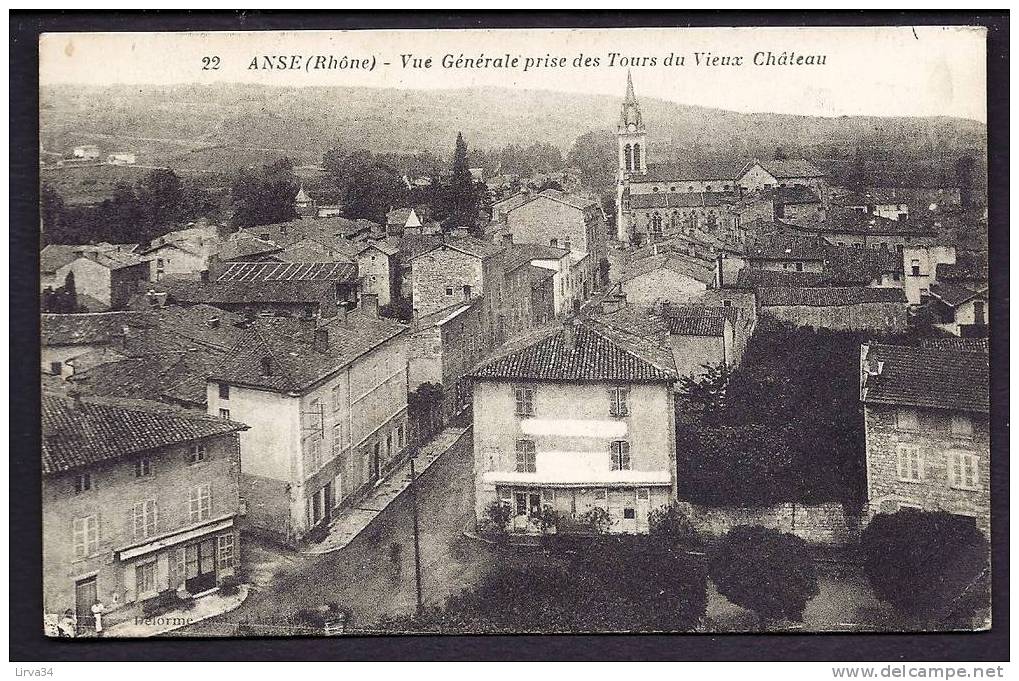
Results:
658 200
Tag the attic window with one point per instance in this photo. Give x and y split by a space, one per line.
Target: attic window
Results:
265 365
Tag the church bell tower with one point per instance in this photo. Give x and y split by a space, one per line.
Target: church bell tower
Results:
631 142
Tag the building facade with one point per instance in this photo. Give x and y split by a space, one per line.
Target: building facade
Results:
927 430
139 504
573 421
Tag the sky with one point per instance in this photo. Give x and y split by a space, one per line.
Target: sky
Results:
882 71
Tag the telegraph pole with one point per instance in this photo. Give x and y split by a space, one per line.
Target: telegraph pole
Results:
417 544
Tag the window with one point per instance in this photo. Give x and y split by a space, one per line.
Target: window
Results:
526 457
629 513
799 267
524 401
226 550
910 463
335 396
617 402
566 244
224 413
337 439
198 453
554 243
145 579
963 470
315 415
643 493
400 434
200 503
142 468
914 266
82 482
314 455
56 367
86 536
449 290
224 391
907 419
620 455
145 518
962 425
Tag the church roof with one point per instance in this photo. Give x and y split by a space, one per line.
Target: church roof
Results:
630 113
699 171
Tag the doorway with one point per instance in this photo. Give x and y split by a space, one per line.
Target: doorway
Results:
200 566
85 595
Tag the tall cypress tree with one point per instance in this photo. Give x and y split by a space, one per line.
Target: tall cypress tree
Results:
462 197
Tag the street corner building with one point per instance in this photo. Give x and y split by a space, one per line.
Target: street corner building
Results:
574 417
140 502
327 405
927 429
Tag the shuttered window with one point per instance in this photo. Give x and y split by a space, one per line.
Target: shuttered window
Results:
145 516
910 463
618 405
200 503
86 536
526 457
620 455
963 470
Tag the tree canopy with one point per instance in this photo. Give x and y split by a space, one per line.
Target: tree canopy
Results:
764 570
265 196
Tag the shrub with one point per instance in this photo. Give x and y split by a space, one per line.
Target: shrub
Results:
764 570
497 516
670 523
931 566
598 519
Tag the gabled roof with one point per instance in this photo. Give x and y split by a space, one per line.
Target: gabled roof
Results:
518 255
754 278
80 433
790 195
572 200
390 246
926 377
846 265
788 167
597 352
465 244
672 262
91 328
55 256
956 343
845 221
954 295
785 247
243 245
443 316
295 361
514 201
237 292
287 271
832 296
698 172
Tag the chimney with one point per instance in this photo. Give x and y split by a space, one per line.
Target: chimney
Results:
570 335
322 340
205 276
370 304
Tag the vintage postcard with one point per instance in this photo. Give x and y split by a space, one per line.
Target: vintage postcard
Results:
514 331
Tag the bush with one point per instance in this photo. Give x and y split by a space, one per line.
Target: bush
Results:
930 566
671 524
598 519
764 570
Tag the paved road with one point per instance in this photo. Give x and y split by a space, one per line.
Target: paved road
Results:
374 574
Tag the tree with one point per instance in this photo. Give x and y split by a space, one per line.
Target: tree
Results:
585 586
370 185
764 570
780 154
161 194
265 196
51 213
705 393
463 199
670 524
927 565
594 155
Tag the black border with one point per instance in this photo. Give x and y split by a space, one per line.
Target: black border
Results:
26 640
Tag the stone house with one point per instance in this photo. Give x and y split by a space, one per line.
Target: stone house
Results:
328 406
575 417
665 278
849 228
66 337
378 270
104 279
920 267
443 347
928 433
783 173
838 308
400 220
138 501
183 252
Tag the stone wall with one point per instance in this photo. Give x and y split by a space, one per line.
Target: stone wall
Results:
826 523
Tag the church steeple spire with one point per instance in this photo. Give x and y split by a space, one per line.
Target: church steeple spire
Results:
630 113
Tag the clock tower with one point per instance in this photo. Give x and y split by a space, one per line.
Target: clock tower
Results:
631 142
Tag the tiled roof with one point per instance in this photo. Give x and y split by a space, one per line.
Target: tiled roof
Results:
969 266
398 216
844 221
440 317
956 343
573 200
540 274
295 361
311 251
790 195
55 256
89 431
243 245
698 270
844 265
953 294
666 172
599 352
834 296
389 246
515 201
237 292
785 247
927 377
90 329
696 326
466 244
521 254
271 272
791 167
680 199
753 278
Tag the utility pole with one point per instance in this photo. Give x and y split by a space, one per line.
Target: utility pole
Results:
417 544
